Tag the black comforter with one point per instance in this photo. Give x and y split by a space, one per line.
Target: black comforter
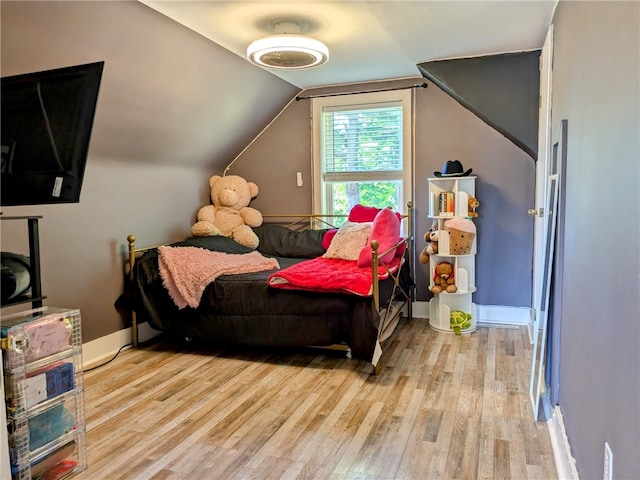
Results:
243 310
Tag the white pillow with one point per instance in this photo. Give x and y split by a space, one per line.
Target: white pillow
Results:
349 240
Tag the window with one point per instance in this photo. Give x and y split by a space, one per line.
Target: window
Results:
362 151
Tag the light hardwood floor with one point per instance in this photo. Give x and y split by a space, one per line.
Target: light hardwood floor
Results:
444 407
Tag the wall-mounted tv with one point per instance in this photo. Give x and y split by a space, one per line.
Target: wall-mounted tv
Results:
46 122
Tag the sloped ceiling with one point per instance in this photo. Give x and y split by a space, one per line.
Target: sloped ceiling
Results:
178 90
380 40
168 95
372 40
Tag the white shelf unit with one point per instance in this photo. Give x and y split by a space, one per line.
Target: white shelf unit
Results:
44 392
458 190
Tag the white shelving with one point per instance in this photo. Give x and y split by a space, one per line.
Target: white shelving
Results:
449 198
44 392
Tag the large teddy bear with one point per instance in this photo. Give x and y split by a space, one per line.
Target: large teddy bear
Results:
230 215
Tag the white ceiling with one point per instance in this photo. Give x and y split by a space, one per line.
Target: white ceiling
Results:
372 40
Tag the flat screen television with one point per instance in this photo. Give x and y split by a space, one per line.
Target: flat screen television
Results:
46 122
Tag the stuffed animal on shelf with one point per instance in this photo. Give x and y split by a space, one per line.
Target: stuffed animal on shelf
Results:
230 215
431 237
443 279
473 204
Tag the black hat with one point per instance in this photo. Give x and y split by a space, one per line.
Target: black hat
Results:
453 168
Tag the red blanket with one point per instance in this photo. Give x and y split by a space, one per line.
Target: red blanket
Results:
331 275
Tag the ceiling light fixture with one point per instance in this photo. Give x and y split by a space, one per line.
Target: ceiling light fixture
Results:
287 49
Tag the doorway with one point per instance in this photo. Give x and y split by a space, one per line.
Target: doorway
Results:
545 213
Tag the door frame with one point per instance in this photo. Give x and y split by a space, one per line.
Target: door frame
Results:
543 167
541 251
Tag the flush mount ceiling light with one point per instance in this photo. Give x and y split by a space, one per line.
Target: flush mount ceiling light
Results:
287 49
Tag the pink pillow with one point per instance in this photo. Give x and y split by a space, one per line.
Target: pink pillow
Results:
360 213
386 230
328 236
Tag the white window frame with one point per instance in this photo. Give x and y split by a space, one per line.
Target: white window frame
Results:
404 97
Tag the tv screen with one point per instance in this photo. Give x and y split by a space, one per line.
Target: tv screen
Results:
46 123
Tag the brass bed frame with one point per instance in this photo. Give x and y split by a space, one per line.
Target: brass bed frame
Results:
391 316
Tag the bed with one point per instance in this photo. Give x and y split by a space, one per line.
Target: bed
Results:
265 308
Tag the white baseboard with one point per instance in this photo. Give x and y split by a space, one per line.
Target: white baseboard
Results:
488 315
421 309
565 463
104 348
503 315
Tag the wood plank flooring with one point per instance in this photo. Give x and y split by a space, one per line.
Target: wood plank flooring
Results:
443 407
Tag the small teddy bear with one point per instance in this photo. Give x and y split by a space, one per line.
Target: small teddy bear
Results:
431 237
443 280
473 204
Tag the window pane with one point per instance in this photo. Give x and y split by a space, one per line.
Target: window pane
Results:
345 195
368 139
360 151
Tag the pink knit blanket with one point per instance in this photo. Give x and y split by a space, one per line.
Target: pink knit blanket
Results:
186 271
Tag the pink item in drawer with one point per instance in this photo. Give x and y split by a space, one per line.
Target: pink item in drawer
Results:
47 336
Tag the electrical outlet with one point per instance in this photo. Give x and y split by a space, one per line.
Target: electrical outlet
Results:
608 462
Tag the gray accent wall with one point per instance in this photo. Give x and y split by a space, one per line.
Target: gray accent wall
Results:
444 131
173 109
596 88
503 90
